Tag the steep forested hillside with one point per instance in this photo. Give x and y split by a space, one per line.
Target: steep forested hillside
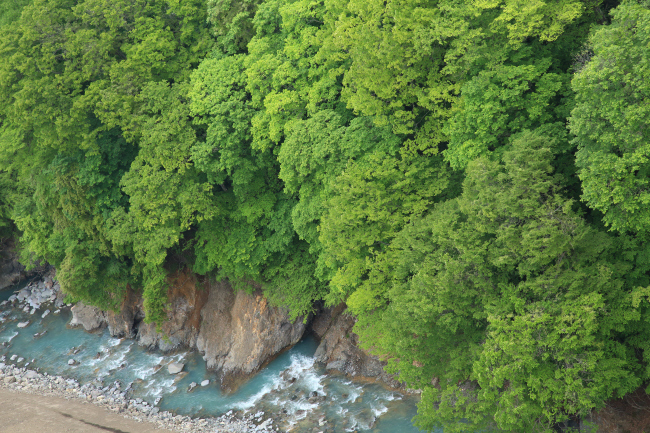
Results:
470 177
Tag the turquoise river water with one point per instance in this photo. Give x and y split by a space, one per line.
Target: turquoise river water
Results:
284 386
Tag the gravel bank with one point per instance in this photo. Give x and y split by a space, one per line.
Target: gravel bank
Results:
115 399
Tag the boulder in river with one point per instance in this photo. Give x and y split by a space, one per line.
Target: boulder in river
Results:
23 324
91 318
175 367
72 362
206 382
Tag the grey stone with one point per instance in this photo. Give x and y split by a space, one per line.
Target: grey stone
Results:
206 382
175 367
90 318
23 324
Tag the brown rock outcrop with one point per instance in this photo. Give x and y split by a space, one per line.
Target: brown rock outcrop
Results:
339 348
237 332
122 323
183 317
242 332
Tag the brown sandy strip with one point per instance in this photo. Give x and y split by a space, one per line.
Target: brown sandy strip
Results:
29 413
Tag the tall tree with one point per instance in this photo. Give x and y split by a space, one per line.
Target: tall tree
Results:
611 120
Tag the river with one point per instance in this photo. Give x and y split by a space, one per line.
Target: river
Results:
291 385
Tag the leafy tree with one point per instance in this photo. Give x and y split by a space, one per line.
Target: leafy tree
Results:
610 120
167 195
250 236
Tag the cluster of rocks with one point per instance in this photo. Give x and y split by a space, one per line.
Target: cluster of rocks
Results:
35 295
115 398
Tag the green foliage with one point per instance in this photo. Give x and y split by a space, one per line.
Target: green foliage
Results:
232 23
611 118
74 84
10 10
510 300
167 195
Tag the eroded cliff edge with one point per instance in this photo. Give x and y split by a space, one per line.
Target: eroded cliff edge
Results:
237 333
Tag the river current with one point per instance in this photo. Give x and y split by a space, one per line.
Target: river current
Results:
291 385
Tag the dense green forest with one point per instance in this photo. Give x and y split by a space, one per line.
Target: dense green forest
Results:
471 177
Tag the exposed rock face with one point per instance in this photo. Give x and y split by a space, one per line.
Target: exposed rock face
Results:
91 318
184 316
241 332
238 333
11 271
339 350
122 323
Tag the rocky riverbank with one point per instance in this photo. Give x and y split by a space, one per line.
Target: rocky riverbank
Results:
114 398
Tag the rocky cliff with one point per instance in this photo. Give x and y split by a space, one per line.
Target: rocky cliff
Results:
339 348
11 270
238 333
242 332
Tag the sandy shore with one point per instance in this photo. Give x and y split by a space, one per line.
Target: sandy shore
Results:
28 413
